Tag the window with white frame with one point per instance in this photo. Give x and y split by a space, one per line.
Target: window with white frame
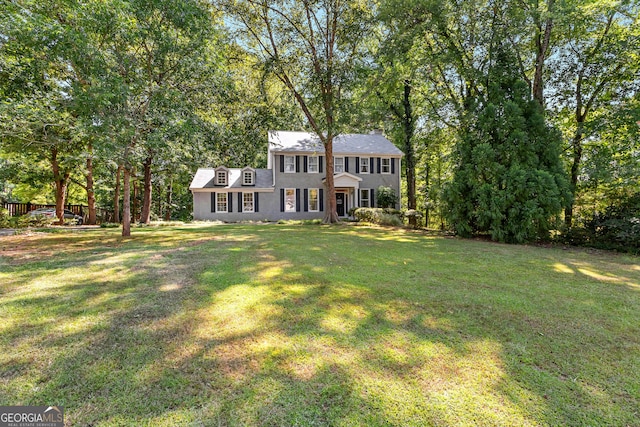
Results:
290 200
386 165
221 202
364 198
338 164
247 178
221 178
247 202
290 164
364 165
312 166
313 199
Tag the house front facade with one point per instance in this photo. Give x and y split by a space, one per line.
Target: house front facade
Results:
293 184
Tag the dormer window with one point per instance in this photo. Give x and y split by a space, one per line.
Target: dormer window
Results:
247 177
221 177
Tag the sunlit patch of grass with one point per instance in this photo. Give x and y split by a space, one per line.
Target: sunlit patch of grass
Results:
316 325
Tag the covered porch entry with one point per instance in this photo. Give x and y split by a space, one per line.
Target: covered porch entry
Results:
346 186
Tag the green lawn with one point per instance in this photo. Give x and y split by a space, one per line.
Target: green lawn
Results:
313 325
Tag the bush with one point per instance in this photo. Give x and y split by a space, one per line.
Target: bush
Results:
109 225
4 218
617 228
387 197
37 221
415 215
380 216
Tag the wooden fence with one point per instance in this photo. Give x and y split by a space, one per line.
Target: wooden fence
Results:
18 209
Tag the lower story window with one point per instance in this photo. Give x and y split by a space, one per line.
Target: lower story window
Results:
221 202
313 200
247 202
364 198
290 200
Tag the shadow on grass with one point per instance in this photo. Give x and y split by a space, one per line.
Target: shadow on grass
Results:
288 326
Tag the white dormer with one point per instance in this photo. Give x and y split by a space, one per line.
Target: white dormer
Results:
221 177
248 176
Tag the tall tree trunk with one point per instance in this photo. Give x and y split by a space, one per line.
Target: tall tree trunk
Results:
61 179
91 196
145 216
126 204
576 146
542 40
116 197
331 213
426 195
136 203
410 158
167 212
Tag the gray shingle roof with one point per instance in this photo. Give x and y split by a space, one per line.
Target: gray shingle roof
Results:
352 143
204 178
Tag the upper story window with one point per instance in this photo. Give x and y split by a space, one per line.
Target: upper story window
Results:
338 164
313 164
364 165
247 178
386 165
290 164
221 177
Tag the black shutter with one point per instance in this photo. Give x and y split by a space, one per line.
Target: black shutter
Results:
320 167
282 200
213 202
379 167
229 202
255 202
321 200
240 204
297 164
358 199
357 164
346 164
371 170
306 200
281 163
393 166
372 201
305 165
297 200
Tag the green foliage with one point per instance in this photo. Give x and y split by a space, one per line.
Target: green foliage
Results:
109 225
4 218
386 197
508 179
382 216
617 228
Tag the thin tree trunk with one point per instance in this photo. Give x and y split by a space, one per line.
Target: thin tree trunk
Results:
116 197
410 158
136 204
61 180
542 41
167 212
145 216
576 145
91 196
126 204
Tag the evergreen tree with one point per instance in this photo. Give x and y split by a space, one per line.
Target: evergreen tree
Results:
508 178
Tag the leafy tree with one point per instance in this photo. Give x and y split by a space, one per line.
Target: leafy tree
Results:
315 49
386 197
508 179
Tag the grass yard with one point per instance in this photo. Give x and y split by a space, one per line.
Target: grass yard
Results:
281 325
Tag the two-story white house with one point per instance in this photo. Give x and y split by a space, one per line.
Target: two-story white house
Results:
293 184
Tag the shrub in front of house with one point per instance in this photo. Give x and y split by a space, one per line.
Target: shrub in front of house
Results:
382 216
4 218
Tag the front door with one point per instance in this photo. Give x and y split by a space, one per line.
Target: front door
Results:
340 204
